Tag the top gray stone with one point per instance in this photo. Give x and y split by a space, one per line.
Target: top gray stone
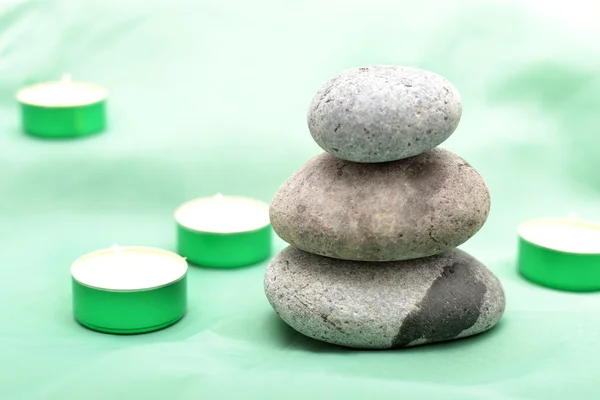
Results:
383 113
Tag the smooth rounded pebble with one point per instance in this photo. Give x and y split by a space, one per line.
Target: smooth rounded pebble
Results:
411 208
384 305
383 113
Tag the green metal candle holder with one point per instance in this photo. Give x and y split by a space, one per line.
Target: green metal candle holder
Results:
144 293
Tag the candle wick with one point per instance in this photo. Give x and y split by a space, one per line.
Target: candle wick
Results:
120 255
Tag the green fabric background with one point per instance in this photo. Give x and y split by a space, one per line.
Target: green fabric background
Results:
211 96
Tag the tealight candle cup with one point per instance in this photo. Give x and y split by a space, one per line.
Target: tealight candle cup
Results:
560 253
62 109
129 290
224 231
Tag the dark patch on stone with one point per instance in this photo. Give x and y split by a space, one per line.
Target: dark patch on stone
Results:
331 323
337 127
430 233
328 89
450 306
340 169
425 175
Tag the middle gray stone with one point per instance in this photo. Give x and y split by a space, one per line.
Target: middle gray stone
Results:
406 209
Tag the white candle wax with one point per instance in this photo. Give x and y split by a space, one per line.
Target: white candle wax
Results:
568 235
64 93
129 268
223 214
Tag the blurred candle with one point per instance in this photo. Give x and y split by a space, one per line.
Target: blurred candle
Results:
62 109
223 231
560 253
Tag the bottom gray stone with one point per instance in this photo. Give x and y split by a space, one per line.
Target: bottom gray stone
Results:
383 305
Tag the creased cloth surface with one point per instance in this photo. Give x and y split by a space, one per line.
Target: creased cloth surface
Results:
211 96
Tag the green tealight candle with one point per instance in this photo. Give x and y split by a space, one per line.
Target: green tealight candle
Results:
560 253
63 109
224 231
129 290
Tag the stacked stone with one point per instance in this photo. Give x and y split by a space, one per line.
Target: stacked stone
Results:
374 222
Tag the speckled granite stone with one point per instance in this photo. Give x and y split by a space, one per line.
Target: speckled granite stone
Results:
411 208
384 305
383 113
